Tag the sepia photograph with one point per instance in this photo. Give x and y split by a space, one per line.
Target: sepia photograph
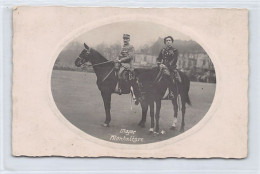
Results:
129 87
133 82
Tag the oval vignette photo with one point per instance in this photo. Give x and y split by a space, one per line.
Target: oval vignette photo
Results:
133 82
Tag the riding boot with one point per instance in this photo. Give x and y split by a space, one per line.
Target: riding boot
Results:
170 95
171 86
137 93
118 88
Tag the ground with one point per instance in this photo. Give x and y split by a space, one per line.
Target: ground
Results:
79 100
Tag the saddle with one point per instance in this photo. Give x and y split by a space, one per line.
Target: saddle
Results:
173 74
125 81
125 76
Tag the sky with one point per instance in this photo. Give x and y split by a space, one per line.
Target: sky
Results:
141 33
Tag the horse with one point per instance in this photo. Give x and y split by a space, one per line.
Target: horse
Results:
106 77
153 86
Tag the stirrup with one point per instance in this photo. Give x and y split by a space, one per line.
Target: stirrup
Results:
118 91
137 100
170 96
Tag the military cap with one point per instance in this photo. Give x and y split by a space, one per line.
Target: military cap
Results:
126 36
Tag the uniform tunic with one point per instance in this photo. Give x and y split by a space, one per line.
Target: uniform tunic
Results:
168 56
127 53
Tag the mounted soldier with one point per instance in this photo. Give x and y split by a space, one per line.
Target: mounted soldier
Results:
167 60
124 67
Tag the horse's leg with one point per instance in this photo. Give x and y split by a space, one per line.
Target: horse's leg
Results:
157 115
175 108
136 91
144 106
107 104
151 103
183 109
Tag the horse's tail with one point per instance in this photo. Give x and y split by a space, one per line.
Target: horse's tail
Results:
186 87
187 93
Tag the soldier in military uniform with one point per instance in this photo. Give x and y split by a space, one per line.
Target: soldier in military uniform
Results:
167 60
127 53
125 61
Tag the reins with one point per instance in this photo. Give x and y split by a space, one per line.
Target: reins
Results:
108 74
102 63
88 51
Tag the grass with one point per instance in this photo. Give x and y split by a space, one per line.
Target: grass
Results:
78 99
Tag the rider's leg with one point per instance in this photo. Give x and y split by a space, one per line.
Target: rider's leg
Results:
176 76
171 88
137 92
170 79
118 88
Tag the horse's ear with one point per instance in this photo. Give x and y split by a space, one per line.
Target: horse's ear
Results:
85 45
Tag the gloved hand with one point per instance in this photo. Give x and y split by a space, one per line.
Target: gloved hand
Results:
117 61
162 66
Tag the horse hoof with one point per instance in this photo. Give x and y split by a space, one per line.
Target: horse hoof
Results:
151 130
163 132
156 133
105 125
172 128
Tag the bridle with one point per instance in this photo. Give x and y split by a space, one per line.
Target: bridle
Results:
87 53
97 64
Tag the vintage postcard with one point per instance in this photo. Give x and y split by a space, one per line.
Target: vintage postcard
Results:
122 82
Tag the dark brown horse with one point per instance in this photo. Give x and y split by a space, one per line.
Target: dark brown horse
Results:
153 91
106 77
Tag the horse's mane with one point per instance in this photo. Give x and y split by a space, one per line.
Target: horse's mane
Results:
96 53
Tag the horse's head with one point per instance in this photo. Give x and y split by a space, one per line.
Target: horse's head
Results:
83 57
